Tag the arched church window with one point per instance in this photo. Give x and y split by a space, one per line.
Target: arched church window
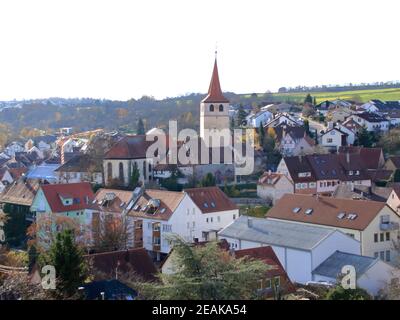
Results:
121 173
211 107
221 108
109 172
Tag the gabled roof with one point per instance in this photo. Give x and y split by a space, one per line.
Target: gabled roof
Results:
81 193
370 157
79 163
332 267
297 133
168 201
47 139
396 161
129 147
119 202
278 233
210 199
326 211
20 192
297 165
214 91
271 178
125 261
371 117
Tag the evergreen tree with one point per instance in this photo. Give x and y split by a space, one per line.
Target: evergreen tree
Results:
135 176
67 259
208 180
306 126
314 101
206 273
364 138
261 133
308 99
241 116
140 127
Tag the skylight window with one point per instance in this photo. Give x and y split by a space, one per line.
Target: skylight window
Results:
341 215
122 204
213 204
296 210
162 210
308 211
205 205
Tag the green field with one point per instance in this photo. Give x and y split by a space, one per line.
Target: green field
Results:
356 95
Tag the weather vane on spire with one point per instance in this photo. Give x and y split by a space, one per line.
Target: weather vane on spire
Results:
216 49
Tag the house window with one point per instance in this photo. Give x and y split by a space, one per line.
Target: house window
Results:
382 255
376 254
207 220
211 107
219 219
387 236
193 224
387 255
234 216
382 237
193 211
277 281
329 140
375 237
211 219
221 108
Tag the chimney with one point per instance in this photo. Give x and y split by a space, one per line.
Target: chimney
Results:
250 222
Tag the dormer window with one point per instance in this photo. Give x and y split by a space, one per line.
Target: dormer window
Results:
350 173
211 108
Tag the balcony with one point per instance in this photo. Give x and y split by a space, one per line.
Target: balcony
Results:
389 226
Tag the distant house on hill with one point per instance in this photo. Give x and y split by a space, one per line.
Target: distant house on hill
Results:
80 168
293 140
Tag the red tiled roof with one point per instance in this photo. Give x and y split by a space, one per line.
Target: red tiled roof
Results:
136 260
325 210
16 173
369 156
214 91
81 193
129 147
210 199
169 201
118 204
268 256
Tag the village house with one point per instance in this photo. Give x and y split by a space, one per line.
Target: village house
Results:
13 147
80 168
300 248
16 201
372 223
339 114
352 125
259 118
283 118
193 215
5 178
74 201
372 274
43 143
272 186
371 121
333 138
322 173
393 201
292 141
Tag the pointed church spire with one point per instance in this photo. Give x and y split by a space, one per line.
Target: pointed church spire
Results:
214 91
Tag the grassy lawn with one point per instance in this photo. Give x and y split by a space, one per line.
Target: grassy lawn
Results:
255 211
358 95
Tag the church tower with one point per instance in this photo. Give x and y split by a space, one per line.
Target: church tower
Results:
214 108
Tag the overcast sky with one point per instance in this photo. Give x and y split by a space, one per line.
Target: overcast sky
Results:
122 49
